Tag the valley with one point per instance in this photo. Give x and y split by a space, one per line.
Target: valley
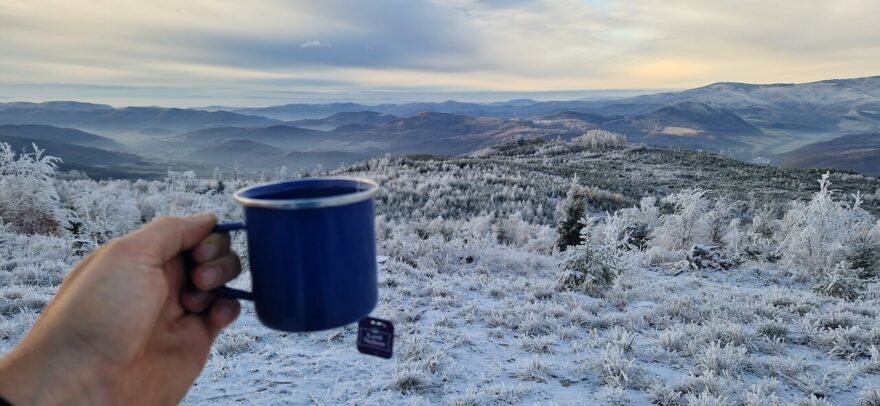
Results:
771 123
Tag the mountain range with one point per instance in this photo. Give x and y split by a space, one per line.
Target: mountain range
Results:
854 152
103 118
810 124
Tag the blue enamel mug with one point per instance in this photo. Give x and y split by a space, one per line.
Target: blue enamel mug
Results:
312 251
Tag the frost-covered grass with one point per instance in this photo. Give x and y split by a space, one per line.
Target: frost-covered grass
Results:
483 317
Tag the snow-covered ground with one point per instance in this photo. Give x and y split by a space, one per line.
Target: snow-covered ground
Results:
497 331
489 311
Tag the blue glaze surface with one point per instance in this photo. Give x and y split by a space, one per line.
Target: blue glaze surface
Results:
312 268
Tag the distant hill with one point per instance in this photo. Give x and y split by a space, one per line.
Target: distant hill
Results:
156 131
688 125
748 121
62 135
362 119
449 123
56 105
128 119
453 134
245 147
693 119
510 109
437 133
301 111
256 155
829 105
95 162
591 118
854 152
279 136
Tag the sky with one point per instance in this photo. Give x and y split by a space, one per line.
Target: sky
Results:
265 52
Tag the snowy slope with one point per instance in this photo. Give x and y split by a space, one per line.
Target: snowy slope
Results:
476 297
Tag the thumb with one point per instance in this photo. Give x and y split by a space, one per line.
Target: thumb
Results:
166 237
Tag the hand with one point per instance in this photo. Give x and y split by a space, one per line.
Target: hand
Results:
124 328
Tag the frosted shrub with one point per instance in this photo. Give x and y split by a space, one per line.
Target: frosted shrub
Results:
543 241
106 212
600 139
613 395
756 241
181 181
640 221
589 267
772 329
845 343
534 370
658 256
813 236
683 227
705 399
721 221
662 395
618 370
707 383
574 207
29 201
762 394
554 148
870 396
515 231
863 253
234 342
410 379
722 360
512 230
841 282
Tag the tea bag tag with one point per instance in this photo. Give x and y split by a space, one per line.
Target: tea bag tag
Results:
375 337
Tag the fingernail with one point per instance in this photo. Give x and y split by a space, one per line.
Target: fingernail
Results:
203 216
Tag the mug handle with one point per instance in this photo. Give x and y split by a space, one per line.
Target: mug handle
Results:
225 290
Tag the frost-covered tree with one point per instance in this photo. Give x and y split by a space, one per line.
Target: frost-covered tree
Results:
570 212
814 235
686 225
841 281
578 201
600 139
640 221
29 201
105 211
756 241
512 230
863 252
591 266
721 220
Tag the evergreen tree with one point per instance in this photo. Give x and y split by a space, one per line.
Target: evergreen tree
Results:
571 211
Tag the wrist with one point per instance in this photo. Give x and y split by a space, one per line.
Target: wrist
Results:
38 376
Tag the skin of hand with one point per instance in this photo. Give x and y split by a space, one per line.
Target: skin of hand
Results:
129 325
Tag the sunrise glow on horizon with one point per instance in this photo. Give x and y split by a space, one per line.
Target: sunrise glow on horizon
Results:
269 51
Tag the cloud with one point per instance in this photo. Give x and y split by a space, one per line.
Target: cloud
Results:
315 44
433 45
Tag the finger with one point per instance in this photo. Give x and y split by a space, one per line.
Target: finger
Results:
166 237
215 245
196 301
213 274
175 274
222 313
